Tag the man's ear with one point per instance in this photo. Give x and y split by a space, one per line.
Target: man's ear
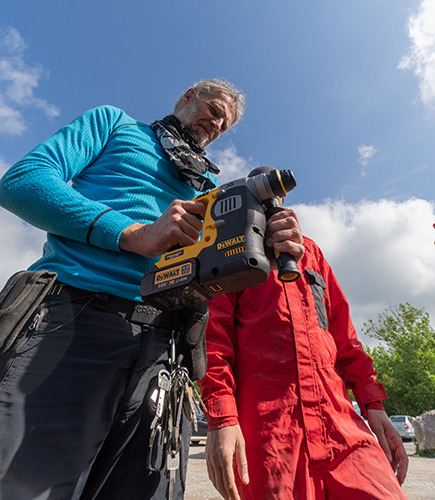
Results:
189 94
186 97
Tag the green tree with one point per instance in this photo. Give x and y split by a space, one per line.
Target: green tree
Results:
405 358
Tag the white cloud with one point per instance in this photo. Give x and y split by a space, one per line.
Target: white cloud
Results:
365 155
421 56
21 247
18 82
231 165
3 166
381 252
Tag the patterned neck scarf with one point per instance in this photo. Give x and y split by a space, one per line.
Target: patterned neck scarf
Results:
184 153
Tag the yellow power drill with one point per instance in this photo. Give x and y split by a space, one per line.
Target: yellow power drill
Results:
230 254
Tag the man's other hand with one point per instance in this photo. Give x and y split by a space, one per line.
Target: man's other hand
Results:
390 441
284 233
223 445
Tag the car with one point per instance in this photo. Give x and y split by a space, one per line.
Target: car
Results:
200 434
356 408
358 411
403 424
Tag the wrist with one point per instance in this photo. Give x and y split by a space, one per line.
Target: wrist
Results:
219 423
129 239
375 405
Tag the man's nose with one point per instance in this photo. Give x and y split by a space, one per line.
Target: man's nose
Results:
217 124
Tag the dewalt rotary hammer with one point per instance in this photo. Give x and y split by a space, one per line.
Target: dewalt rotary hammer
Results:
230 254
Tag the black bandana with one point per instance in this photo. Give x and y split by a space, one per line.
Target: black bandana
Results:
184 153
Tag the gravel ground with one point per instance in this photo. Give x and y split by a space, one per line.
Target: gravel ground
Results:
419 483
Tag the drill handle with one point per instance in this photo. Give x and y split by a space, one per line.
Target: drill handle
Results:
287 267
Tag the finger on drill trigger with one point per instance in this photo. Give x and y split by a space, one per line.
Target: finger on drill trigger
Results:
195 220
194 207
190 221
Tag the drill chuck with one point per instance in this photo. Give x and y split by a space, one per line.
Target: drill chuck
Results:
267 182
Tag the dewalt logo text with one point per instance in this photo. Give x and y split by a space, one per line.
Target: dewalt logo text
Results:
173 273
231 242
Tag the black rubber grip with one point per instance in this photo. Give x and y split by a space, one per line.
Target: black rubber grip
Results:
287 268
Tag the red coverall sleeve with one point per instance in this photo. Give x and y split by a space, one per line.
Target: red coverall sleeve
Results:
218 387
353 364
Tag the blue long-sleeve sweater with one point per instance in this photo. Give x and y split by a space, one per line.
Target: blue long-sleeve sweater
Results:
102 160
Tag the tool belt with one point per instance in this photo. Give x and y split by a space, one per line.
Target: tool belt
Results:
190 321
26 290
131 310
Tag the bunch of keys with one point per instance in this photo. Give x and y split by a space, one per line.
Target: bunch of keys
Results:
158 425
179 395
175 394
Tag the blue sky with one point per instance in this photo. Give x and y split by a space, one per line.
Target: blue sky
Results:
341 92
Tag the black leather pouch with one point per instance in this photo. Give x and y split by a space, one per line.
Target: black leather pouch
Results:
193 345
19 299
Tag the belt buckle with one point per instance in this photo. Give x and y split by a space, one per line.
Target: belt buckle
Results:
146 314
56 289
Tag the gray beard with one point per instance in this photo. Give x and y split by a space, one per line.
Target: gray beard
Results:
185 116
201 141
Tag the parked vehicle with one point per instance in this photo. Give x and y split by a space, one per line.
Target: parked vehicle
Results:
356 408
403 425
201 433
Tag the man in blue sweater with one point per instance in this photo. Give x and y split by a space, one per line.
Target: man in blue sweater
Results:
76 385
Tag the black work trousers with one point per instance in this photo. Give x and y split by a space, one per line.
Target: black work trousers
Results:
75 410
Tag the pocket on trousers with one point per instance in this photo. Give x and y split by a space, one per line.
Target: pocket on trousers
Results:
37 350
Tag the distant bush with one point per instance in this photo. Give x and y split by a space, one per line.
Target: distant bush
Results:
404 359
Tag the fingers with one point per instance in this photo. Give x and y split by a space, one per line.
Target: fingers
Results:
390 442
242 463
287 213
400 460
222 445
221 474
228 481
185 219
402 468
284 233
384 445
192 207
184 227
214 474
180 225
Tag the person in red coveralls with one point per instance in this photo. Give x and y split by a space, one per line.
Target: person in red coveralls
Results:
281 357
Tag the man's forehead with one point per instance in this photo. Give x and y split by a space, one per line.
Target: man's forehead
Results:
218 94
222 99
